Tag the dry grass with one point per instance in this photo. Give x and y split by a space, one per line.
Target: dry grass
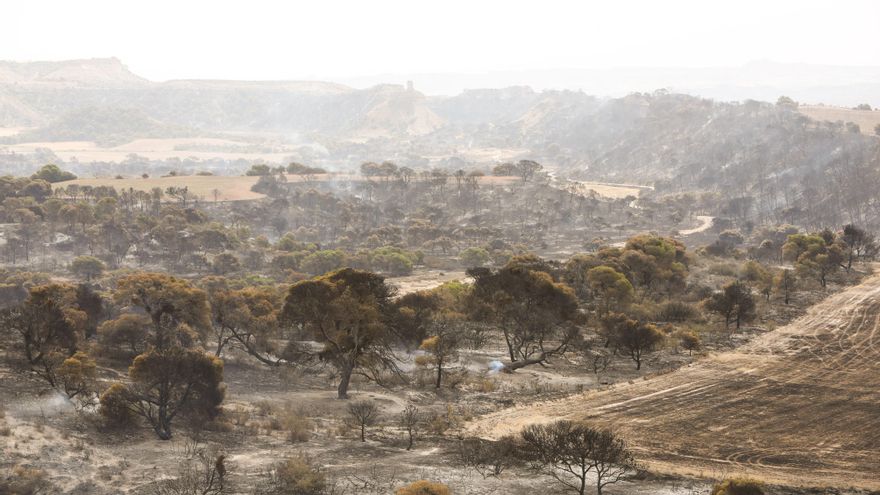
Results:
866 119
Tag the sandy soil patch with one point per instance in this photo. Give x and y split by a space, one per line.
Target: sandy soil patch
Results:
424 280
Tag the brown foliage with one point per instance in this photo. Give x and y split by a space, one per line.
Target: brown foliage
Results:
424 487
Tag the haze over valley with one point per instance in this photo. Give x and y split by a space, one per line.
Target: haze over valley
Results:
346 248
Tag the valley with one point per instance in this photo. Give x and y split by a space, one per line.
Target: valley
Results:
213 287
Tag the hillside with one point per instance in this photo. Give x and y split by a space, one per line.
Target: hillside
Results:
792 407
102 72
37 93
761 159
107 126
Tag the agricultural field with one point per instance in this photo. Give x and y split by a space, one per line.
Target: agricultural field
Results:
152 149
866 119
228 188
11 131
238 188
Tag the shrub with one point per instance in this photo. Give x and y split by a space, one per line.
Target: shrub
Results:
201 470
424 487
724 269
296 424
363 414
738 486
296 476
486 457
388 259
676 311
115 406
129 335
87 267
689 341
75 376
52 173
264 407
225 263
25 481
259 170
323 261
473 257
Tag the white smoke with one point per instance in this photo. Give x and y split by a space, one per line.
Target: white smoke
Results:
495 366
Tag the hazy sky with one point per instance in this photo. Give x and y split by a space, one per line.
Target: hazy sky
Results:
256 39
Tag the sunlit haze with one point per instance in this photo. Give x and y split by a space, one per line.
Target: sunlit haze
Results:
341 40
440 247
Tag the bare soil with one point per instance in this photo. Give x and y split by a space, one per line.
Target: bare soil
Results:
425 280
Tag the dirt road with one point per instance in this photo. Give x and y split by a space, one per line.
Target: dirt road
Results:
798 406
705 223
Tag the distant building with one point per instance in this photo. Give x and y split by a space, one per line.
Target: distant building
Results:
409 86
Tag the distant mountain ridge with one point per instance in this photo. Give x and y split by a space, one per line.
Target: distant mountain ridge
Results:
39 94
758 80
772 153
100 72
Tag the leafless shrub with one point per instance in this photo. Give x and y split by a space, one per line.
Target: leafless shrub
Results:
486 457
373 481
570 452
410 418
363 414
296 476
202 471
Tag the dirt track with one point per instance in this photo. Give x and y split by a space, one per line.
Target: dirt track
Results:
799 406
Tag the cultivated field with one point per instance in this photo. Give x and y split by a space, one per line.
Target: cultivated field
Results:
866 119
153 149
12 131
229 188
614 191
797 406
238 188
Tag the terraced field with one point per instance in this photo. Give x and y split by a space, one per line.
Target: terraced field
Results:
798 406
866 119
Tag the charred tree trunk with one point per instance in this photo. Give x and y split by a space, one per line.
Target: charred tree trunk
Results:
522 363
342 390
